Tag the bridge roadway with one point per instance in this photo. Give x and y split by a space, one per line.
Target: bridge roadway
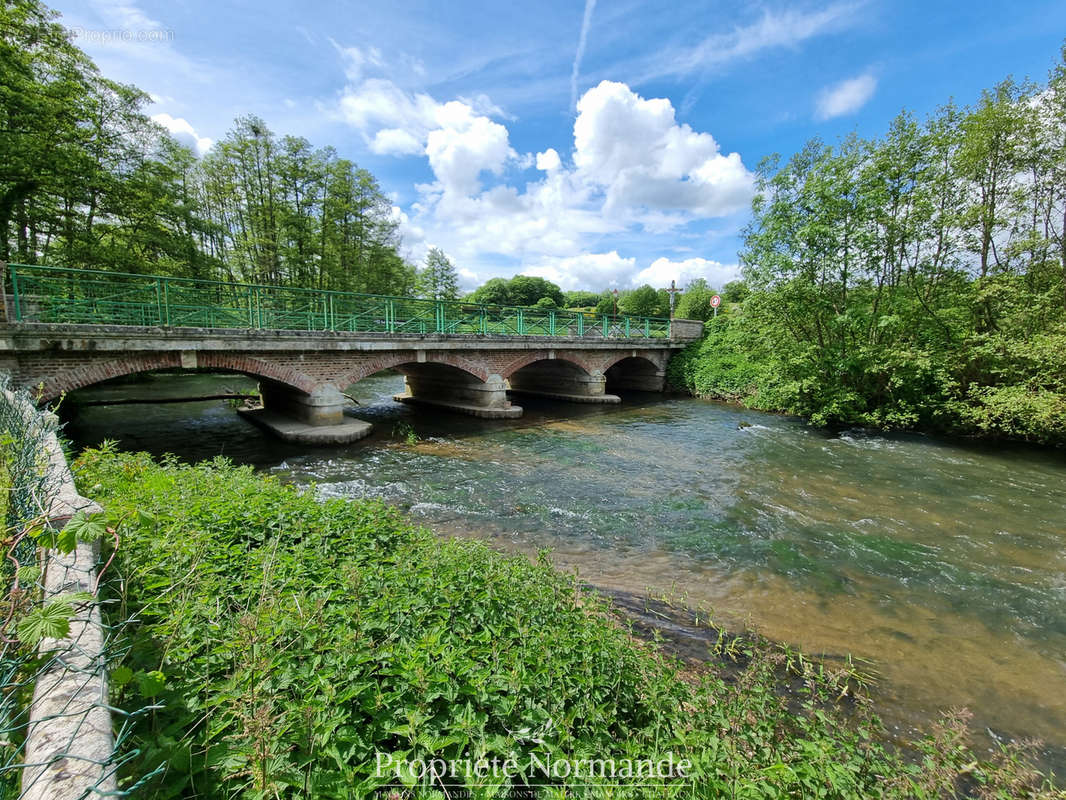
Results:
303 374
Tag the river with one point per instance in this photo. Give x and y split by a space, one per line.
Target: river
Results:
942 564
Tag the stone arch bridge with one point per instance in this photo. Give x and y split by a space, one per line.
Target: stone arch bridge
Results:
303 374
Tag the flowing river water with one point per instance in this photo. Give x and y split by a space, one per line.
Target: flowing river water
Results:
942 564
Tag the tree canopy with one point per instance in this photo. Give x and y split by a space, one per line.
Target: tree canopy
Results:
87 180
438 280
521 290
580 299
915 280
644 302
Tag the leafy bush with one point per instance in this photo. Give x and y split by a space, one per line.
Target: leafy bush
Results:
721 365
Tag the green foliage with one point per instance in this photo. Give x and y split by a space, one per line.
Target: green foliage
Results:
438 280
521 290
494 292
735 292
81 527
287 641
406 432
51 620
87 180
644 302
580 299
695 301
722 364
528 291
915 281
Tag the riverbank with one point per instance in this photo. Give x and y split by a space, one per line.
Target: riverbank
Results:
289 641
735 362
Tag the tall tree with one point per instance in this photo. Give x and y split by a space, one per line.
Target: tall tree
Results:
438 280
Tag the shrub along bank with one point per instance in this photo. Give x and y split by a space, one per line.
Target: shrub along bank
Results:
292 645
1017 393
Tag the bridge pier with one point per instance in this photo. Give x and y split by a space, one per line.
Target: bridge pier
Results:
440 386
315 417
561 380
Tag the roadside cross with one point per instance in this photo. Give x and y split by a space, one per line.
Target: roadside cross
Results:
672 290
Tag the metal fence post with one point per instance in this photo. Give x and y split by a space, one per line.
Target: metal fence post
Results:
159 301
166 302
15 291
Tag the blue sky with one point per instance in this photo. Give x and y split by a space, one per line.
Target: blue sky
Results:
596 143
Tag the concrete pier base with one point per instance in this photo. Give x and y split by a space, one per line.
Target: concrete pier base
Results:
322 406
315 418
506 412
444 387
292 430
570 398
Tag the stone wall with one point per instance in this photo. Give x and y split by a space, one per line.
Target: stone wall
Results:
69 743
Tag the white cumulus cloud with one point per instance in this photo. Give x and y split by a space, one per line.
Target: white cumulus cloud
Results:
661 271
635 149
464 146
845 97
184 132
548 160
632 169
586 270
396 142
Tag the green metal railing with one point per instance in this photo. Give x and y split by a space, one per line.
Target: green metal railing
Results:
94 297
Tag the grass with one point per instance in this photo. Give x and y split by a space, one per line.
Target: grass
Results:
290 644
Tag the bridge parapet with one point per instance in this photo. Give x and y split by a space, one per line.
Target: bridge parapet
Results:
79 296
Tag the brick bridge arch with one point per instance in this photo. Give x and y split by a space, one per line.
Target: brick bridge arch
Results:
96 371
525 359
615 358
477 369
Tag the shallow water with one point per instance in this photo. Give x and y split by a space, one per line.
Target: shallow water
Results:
943 564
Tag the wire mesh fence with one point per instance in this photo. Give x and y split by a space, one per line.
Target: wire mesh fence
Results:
60 738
